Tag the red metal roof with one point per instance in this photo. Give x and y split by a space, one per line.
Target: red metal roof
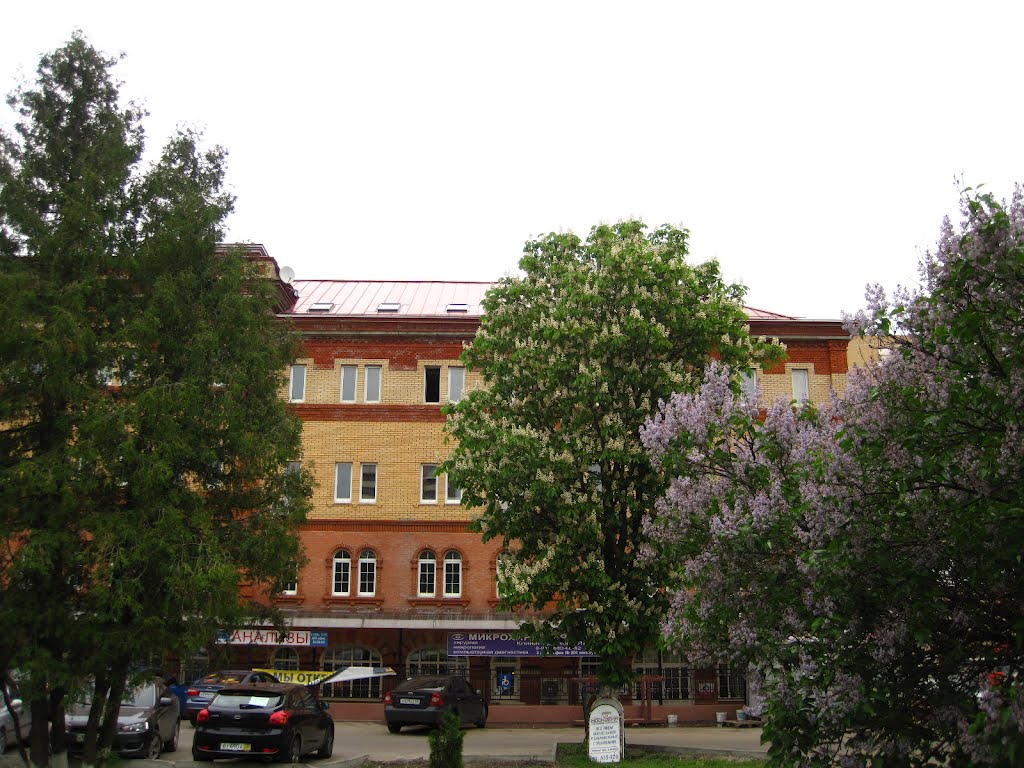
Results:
361 298
350 298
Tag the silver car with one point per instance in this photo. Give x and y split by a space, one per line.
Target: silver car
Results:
8 735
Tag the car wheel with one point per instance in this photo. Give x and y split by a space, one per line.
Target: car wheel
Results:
482 722
394 727
199 756
327 748
172 743
154 747
294 752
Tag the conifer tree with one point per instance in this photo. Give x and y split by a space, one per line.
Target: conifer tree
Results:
143 445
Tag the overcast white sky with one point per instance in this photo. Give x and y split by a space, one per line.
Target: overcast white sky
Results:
810 147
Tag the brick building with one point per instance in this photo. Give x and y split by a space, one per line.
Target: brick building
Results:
393 575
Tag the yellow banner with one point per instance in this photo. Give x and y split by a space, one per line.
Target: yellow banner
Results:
298 676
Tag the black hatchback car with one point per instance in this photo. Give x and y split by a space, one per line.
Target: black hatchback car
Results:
264 721
425 700
147 723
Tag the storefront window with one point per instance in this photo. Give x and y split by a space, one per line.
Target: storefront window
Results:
671 666
285 658
436 661
342 656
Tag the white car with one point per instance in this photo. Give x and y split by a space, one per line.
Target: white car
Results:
8 736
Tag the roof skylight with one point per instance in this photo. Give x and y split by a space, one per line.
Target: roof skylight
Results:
321 306
389 306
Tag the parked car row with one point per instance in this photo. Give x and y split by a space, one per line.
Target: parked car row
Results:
247 714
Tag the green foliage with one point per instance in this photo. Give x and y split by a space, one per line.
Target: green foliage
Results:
446 743
143 445
575 355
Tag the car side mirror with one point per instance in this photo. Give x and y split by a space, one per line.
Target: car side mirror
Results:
165 701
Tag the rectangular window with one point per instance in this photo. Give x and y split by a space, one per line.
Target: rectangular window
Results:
349 375
432 384
428 573
801 387
428 483
293 468
343 482
291 585
453 494
456 383
372 394
342 576
367 575
297 392
748 383
452 577
368 484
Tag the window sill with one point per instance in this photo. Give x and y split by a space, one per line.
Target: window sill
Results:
352 601
438 601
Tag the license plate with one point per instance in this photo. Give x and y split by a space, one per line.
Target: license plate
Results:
231 746
206 694
414 702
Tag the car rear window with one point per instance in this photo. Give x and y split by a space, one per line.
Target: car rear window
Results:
247 700
422 683
220 677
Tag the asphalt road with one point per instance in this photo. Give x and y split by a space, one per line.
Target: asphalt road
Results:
357 742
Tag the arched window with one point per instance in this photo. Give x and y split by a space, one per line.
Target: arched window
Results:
427 574
342 656
367 572
285 658
341 584
436 661
452 574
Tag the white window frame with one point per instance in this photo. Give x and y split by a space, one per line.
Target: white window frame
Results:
293 379
367 566
423 483
452 574
349 380
373 372
341 563
455 394
427 566
748 383
364 499
452 492
338 470
291 587
801 378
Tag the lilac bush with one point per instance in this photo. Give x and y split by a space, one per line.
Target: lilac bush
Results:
865 555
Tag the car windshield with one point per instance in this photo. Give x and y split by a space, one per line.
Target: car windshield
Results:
247 699
422 684
140 696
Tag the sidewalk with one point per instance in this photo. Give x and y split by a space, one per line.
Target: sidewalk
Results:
358 742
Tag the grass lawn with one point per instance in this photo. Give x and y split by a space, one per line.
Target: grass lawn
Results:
575 756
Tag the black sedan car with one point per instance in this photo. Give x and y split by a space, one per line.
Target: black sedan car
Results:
202 691
264 721
424 700
147 723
